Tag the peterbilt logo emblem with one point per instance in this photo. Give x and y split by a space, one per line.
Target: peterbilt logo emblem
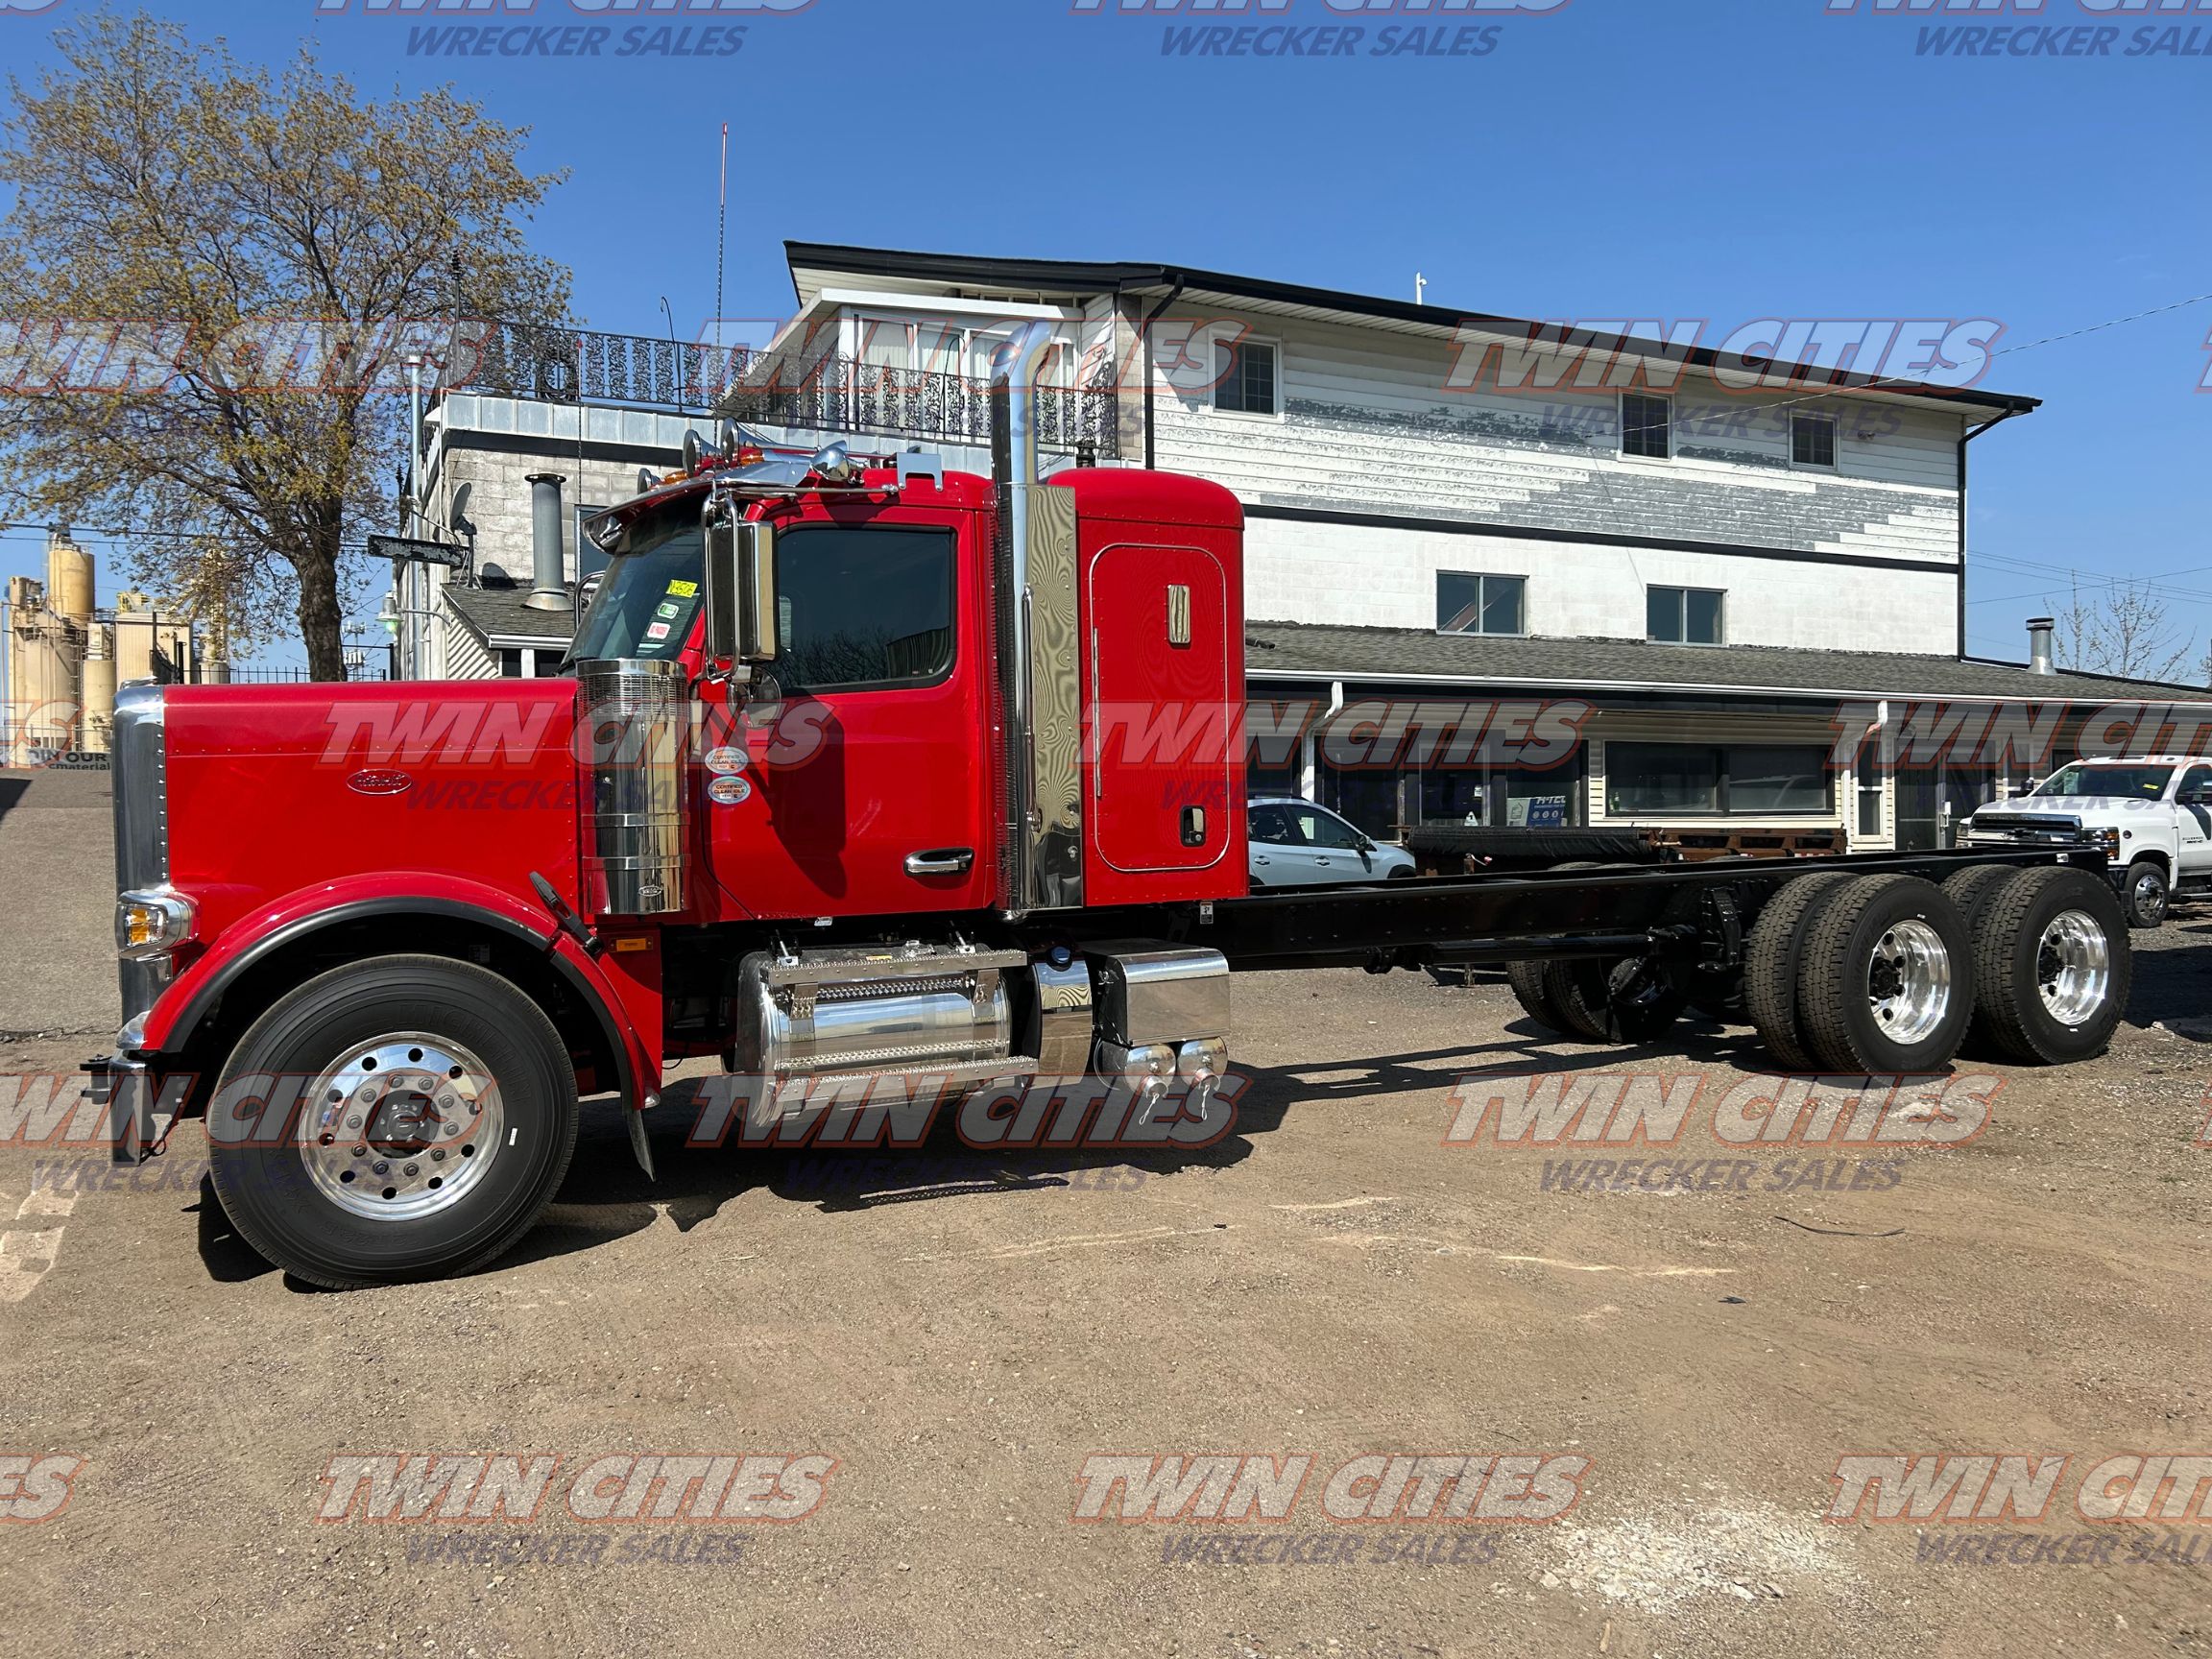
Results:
380 782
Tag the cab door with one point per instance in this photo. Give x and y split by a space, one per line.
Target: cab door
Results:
1164 773
865 779
2193 822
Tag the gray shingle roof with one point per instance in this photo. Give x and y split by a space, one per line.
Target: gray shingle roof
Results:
496 611
1304 649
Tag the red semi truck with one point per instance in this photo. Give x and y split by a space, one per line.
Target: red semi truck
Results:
833 792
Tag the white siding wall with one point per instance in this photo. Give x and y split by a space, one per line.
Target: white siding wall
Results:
1368 424
1357 576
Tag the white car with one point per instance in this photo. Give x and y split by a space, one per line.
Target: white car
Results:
2153 816
1297 844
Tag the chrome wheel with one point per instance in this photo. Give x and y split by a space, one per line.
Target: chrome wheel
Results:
2074 967
2150 895
401 1127
1908 981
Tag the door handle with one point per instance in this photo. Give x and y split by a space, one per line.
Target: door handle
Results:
942 862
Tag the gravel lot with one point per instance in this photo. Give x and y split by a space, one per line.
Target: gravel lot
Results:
961 1330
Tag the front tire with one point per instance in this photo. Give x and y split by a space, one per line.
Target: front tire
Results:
420 1113
2146 894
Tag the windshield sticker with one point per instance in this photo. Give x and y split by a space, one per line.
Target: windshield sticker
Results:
684 590
659 631
667 610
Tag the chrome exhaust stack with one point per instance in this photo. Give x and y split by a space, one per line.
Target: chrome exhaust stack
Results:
635 717
1035 626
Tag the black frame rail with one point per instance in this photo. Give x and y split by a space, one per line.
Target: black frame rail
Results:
1676 908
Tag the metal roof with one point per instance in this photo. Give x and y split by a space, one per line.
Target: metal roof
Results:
497 613
1304 651
1081 278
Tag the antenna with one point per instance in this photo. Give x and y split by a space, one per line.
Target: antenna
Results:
721 244
1420 287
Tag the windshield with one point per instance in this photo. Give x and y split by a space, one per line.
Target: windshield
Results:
648 595
2144 783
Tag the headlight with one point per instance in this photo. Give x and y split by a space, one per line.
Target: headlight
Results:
2109 838
150 923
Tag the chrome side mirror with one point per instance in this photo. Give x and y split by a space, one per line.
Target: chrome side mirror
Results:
722 586
740 596
757 609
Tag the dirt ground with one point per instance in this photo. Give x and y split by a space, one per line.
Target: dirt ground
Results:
961 1330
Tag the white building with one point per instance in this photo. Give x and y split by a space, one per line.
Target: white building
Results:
1716 571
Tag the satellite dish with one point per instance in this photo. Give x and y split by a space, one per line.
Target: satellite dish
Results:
457 520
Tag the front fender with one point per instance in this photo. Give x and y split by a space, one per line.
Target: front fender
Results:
187 1003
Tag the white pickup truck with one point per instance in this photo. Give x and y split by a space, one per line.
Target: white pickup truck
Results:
2154 816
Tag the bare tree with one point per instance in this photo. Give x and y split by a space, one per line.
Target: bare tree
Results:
211 272
2122 631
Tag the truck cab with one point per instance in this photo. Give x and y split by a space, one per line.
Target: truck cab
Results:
2152 815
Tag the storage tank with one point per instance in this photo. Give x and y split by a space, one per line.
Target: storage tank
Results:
99 698
68 580
44 658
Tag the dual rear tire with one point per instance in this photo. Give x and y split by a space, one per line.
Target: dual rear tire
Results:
1890 972
1885 974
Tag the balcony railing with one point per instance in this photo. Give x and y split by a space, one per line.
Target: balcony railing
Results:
831 394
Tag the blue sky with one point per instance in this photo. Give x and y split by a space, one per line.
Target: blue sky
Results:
1728 159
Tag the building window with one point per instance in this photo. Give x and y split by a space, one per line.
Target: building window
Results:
1647 426
1869 799
1812 440
1743 780
1471 604
1684 615
541 663
1247 381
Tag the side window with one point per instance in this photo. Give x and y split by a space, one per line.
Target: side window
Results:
1272 824
2196 787
863 608
1326 830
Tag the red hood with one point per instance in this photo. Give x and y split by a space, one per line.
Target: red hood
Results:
276 789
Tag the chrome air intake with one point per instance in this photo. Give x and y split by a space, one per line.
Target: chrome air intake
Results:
633 721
